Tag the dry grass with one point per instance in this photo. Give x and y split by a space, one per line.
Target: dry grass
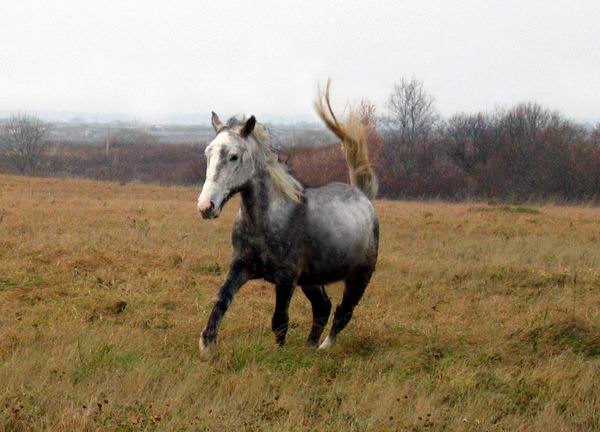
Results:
478 318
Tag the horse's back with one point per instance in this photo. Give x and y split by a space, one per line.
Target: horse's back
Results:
341 232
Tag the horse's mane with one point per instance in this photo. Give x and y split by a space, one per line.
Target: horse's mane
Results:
263 152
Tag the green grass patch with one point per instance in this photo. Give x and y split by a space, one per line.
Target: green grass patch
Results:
286 359
107 357
33 279
211 269
571 334
8 283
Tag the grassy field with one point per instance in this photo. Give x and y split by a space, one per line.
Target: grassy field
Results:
479 318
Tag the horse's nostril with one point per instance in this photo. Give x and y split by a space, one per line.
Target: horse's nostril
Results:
207 212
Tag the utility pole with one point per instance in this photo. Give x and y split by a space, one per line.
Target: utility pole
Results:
107 139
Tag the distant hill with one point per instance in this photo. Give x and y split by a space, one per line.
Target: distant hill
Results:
200 118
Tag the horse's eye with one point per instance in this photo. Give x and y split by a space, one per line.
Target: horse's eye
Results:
233 158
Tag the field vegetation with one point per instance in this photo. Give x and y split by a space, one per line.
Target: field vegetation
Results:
480 317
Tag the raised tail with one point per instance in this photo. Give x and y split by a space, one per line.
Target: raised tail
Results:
353 134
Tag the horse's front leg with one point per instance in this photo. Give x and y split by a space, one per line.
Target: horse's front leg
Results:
284 289
238 275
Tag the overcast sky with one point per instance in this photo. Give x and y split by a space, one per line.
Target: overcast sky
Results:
265 57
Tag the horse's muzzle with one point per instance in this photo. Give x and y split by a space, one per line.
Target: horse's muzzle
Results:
208 212
211 208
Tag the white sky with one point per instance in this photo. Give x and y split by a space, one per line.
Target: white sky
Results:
265 57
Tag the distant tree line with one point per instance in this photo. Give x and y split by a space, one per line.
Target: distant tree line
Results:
526 152
127 155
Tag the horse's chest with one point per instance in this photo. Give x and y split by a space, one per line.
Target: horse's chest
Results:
275 248
270 252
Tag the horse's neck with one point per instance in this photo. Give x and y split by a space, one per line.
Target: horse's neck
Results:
257 199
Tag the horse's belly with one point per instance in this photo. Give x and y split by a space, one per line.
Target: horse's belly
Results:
322 278
338 244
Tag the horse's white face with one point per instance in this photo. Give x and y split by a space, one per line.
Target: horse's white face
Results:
229 166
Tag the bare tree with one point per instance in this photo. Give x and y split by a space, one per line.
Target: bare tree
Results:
595 135
23 141
410 122
469 140
367 112
411 112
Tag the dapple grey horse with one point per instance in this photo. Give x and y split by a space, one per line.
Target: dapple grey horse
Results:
287 234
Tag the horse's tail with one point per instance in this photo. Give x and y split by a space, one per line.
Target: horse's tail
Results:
353 134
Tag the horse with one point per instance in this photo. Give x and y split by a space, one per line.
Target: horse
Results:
288 234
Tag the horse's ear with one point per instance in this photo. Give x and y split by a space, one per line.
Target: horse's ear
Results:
248 127
216 122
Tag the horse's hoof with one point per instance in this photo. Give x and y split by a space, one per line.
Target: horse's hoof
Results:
327 343
207 350
311 343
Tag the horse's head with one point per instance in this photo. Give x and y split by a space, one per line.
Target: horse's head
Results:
229 165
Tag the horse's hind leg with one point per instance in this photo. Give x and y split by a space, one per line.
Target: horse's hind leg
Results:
321 308
356 284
